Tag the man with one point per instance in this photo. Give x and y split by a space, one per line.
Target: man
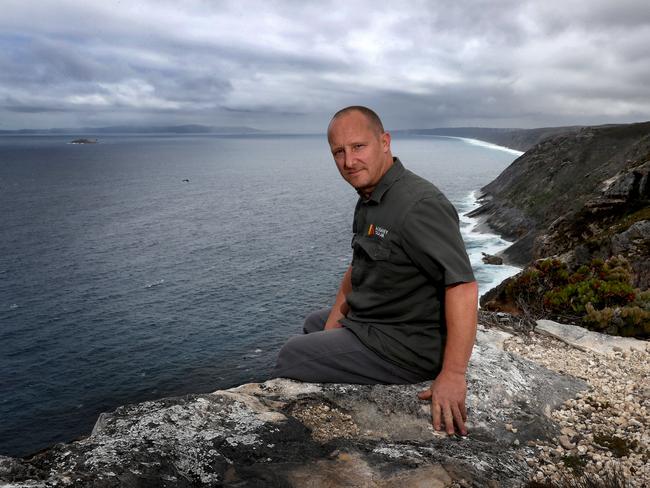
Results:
406 309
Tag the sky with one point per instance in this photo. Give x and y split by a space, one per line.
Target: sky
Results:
287 66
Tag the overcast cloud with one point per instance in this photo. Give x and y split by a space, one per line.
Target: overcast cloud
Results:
289 65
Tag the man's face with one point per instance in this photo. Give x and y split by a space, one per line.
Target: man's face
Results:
362 155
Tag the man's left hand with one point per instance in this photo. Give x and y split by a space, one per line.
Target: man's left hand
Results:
447 394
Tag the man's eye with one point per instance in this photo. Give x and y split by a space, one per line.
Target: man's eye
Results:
358 146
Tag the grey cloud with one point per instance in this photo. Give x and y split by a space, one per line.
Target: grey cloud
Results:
268 63
32 109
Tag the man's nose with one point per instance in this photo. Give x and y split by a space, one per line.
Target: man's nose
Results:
348 159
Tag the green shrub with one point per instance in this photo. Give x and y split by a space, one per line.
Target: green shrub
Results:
531 284
600 295
626 321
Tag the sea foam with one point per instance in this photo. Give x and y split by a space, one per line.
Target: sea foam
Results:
487 275
489 145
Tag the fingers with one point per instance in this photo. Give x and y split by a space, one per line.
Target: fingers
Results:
453 416
449 419
435 415
458 418
424 395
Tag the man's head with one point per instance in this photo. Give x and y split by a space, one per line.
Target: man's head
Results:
360 146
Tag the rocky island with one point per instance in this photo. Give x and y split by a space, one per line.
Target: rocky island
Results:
84 141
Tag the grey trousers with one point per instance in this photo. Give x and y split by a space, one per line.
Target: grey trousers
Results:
336 356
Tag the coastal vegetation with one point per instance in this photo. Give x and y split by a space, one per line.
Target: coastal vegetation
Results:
599 296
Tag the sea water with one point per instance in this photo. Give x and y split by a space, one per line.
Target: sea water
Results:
149 266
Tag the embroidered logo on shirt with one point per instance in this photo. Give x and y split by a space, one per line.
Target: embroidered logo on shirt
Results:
375 230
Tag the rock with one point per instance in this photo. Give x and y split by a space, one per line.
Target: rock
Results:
354 470
568 432
566 443
275 434
587 340
494 337
491 259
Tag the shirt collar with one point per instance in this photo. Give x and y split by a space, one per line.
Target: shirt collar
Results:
393 174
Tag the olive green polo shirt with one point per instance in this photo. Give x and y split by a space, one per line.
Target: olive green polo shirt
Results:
406 248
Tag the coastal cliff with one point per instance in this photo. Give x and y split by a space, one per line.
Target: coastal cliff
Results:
585 192
577 206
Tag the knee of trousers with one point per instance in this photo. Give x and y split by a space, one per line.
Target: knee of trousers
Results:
290 354
312 323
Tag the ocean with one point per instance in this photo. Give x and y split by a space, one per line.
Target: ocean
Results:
150 266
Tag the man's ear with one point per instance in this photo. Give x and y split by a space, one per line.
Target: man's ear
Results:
385 141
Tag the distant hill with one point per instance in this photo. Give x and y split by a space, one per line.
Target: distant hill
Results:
519 139
128 129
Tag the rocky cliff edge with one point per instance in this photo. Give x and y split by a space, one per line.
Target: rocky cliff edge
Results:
287 433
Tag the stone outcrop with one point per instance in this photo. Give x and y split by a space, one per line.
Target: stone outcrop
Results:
287 433
615 222
491 259
587 340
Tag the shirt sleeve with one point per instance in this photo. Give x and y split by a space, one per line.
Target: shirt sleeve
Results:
431 238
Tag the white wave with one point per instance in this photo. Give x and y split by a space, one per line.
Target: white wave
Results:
489 145
155 283
493 275
477 243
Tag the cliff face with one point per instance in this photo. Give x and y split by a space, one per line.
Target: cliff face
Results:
578 195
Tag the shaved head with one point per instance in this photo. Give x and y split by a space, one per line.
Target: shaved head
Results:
374 122
360 146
